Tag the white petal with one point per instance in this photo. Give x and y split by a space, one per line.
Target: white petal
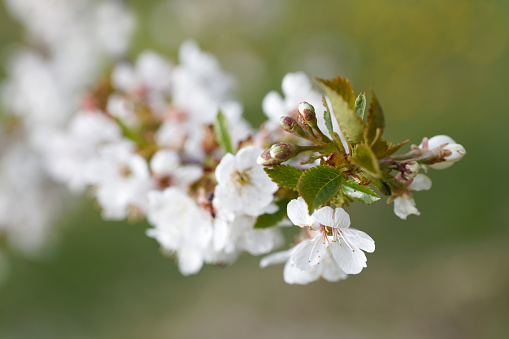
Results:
246 157
439 140
350 260
295 85
164 162
331 271
297 210
420 183
190 260
319 250
275 258
294 275
324 216
225 169
300 254
273 106
404 206
359 239
188 174
341 218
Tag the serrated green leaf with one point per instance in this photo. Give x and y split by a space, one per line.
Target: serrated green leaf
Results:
284 176
360 105
327 116
376 120
269 220
364 157
222 133
359 192
342 98
318 185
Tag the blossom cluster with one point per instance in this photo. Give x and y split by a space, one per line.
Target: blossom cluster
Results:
145 145
167 143
67 45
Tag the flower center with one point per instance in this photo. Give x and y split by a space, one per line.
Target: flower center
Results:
125 171
241 178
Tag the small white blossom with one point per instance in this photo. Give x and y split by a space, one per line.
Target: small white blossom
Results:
243 186
332 234
180 227
122 180
151 73
404 205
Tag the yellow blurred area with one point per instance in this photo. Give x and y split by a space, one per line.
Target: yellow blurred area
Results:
438 67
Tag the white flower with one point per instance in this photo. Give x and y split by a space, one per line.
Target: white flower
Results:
165 165
180 227
243 186
332 234
151 72
404 205
122 179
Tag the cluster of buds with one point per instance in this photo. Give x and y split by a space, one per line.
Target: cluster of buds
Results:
305 127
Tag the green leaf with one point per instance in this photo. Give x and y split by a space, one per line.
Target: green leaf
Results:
269 220
360 105
130 134
384 149
319 184
364 157
359 192
222 134
342 98
376 120
284 176
327 116
382 186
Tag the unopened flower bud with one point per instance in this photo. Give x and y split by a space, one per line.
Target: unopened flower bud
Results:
291 126
265 159
307 112
283 151
453 153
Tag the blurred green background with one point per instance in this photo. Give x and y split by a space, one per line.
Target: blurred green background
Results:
438 67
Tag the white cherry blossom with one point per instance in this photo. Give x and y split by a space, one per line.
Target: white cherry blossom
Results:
404 205
243 186
122 180
180 227
332 234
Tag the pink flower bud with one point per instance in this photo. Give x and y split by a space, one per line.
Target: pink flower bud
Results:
307 111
